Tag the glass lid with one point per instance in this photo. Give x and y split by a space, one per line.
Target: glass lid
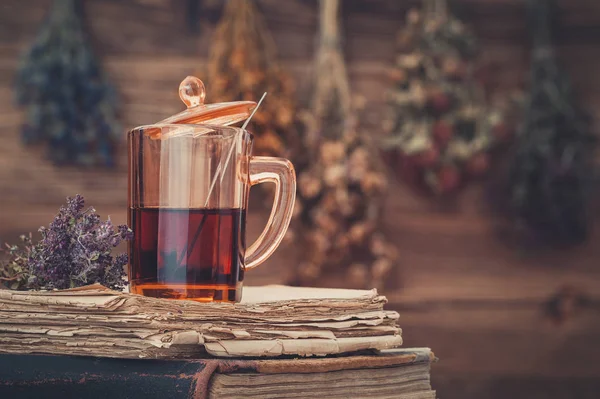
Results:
193 93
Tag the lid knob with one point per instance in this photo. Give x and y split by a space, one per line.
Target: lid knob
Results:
192 91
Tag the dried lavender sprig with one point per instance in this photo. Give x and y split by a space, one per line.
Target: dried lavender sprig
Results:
75 250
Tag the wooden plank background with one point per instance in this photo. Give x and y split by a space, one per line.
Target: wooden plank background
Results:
482 307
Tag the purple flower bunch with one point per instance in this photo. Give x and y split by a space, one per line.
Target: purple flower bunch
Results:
76 250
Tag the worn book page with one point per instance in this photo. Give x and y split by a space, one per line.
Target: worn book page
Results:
274 293
403 381
271 321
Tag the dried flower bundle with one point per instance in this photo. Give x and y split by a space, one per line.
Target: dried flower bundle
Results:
342 186
551 175
242 66
75 250
71 107
440 129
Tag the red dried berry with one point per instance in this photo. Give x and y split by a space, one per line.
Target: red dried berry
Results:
449 178
478 164
429 157
442 132
439 101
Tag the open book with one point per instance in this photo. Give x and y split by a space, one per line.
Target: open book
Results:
271 321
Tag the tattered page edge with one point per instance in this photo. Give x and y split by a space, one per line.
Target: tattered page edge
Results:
384 358
300 346
253 295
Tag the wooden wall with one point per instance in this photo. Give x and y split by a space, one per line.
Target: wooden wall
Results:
480 305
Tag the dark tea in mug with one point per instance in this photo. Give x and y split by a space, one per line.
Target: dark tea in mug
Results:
188 253
188 191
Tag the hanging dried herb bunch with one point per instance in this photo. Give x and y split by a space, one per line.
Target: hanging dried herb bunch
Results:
552 169
343 184
242 66
440 128
71 108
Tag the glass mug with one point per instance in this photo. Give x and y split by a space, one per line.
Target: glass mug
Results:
188 195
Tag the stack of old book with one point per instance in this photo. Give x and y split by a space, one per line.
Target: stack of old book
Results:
278 342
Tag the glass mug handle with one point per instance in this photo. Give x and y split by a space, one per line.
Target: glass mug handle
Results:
281 172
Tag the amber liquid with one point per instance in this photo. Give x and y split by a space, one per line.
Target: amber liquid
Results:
193 254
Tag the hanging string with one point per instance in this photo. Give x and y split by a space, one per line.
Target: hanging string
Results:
332 90
435 10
